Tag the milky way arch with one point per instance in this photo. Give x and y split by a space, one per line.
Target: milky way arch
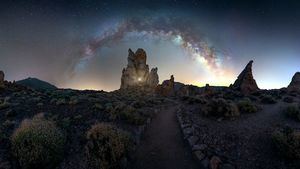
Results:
176 30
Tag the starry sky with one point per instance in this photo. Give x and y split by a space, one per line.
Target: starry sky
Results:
84 44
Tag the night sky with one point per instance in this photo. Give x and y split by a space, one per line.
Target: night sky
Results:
83 44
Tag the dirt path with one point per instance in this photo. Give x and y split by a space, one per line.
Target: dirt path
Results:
162 146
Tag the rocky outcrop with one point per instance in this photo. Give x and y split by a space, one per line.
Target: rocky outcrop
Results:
245 82
1 78
167 88
295 83
188 90
137 74
153 78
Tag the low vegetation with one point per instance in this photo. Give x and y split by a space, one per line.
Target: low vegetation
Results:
106 146
132 116
288 99
292 111
246 106
268 99
287 142
221 108
37 143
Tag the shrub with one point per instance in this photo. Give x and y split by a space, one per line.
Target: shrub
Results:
73 100
5 104
61 101
287 142
98 106
138 104
131 115
221 108
2 135
268 99
246 106
288 99
292 111
106 146
194 100
37 143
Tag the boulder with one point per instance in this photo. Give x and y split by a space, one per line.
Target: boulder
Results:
295 83
245 82
137 74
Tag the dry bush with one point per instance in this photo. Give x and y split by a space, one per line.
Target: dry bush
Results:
267 99
288 99
246 106
292 111
221 108
37 143
287 142
132 116
106 146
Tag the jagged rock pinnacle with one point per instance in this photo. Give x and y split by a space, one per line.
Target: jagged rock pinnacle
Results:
245 81
137 71
295 83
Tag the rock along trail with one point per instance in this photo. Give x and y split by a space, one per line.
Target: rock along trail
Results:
162 146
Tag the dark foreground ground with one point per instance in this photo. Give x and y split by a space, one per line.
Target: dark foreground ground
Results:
242 140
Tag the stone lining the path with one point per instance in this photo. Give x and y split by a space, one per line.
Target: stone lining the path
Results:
206 156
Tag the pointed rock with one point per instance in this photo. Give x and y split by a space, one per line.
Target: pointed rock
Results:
295 83
137 71
245 81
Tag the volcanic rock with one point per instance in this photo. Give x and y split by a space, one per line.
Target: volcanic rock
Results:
245 82
295 83
153 78
137 71
167 88
208 90
1 78
187 90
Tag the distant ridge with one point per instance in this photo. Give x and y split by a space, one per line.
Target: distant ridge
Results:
36 84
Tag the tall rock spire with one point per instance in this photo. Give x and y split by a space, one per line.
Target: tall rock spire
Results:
295 83
245 81
137 71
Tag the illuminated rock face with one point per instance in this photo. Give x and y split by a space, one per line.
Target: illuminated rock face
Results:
137 71
245 82
295 83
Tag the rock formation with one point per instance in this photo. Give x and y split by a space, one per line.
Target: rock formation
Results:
187 90
167 88
245 82
137 71
1 78
295 83
208 91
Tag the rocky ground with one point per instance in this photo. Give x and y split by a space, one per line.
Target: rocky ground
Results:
244 141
